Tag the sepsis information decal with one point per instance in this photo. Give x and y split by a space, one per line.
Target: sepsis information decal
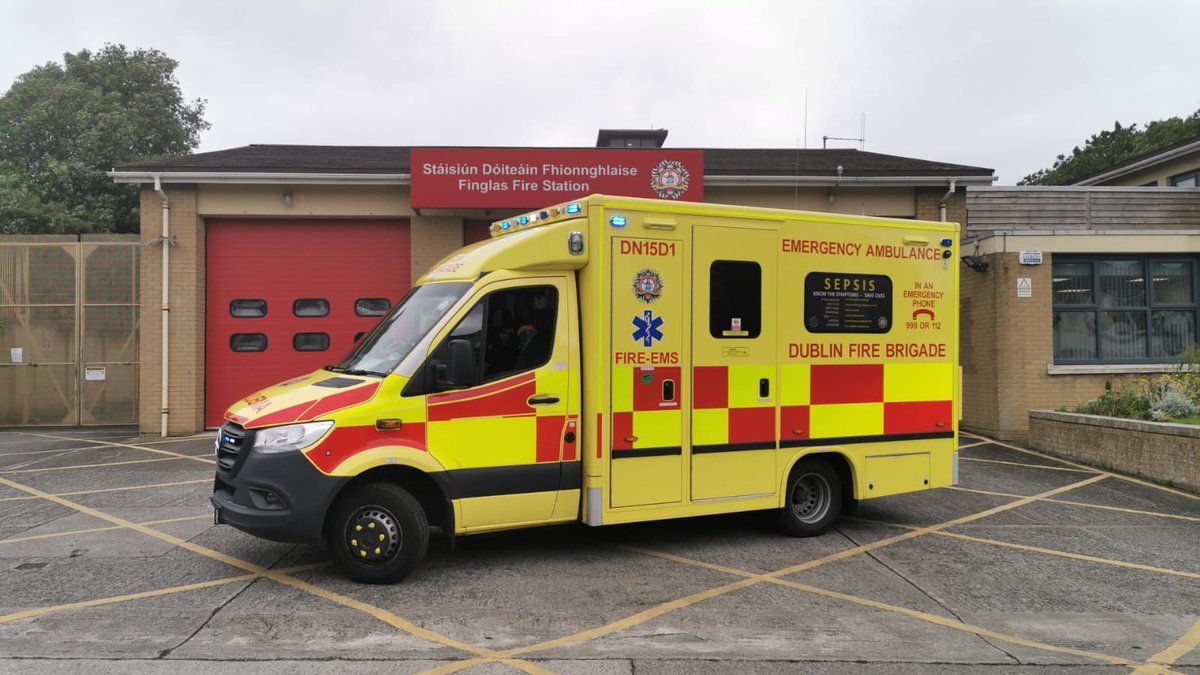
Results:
847 303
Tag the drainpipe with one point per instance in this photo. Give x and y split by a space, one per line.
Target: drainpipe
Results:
167 242
946 196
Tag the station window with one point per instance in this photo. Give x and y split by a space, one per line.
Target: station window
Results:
310 342
248 342
1190 179
248 309
372 306
310 307
1123 309
735 299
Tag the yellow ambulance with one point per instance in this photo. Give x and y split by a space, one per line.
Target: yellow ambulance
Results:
614 360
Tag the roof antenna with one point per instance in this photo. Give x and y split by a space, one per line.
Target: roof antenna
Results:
862 135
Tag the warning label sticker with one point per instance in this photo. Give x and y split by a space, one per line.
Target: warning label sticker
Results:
847 303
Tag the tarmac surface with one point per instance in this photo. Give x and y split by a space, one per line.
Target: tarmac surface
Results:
109 563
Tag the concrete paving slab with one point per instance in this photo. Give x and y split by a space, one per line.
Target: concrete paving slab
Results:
866 576
1117 492
991 451
172 666
194 493
1015 479
19 517
14 467
233 542
682 667
928 508
121 543
55 482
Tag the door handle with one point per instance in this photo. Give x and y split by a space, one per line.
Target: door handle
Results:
764 388
542 399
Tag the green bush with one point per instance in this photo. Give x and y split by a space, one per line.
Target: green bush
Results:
1127 399
1186 373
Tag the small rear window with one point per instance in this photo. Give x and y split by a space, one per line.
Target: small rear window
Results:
248 309
248 342
310 342
372 306
310 307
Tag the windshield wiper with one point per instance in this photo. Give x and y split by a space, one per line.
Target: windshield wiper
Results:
354 371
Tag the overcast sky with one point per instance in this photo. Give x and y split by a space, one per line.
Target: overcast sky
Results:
1001 84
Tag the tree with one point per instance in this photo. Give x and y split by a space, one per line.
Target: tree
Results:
1109 148
63 126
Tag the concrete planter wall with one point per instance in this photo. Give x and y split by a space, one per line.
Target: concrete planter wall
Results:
1159 451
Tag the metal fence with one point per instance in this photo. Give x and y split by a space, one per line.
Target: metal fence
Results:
69 318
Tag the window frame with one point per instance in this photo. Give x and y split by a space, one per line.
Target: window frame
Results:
1149 306
328 308
299 335
724 334
1193 174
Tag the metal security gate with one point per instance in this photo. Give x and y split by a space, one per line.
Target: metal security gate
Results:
68 330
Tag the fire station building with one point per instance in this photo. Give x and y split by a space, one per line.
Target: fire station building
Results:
280 256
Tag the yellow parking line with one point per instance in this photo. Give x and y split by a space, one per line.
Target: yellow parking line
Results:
91 466
1119 509
184 439
1029 466
659 610
47 452
971 445
1129 479
100 602
378 613
1167 657
115 489
69 533
205 459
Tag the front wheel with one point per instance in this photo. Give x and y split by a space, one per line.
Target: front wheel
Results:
377 533
813 500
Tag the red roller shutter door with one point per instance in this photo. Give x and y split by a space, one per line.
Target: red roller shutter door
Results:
287 297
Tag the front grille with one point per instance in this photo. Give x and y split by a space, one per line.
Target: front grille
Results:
231 439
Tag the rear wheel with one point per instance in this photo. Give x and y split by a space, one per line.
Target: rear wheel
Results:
813 500
377 533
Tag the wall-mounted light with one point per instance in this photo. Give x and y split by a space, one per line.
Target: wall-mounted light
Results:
287 199
975 262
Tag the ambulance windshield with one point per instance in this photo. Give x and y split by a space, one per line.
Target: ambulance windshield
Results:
384 347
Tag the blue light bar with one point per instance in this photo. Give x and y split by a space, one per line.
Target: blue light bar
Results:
572 209
947 242
524 220
544 215
505 225
617 221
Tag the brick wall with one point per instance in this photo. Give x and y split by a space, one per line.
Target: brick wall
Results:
186 322
1165 453
929 200
433 237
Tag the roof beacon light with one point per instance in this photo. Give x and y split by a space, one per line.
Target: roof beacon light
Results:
544 215
947 242
505 225
617 221
523 220
572 209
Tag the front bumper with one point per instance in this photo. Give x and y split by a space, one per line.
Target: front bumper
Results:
281 497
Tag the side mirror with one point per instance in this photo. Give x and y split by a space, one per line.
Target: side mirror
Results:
458 371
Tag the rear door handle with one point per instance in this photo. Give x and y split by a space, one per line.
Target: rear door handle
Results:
542 399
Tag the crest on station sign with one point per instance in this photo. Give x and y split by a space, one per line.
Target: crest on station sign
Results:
669 179
647 285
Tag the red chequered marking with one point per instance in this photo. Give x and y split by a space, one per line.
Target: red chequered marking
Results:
571 448
847 384
511 401
793 419
549 437
284 416
751 425
622 427
711 387
345 442
917 417
341 400
649 395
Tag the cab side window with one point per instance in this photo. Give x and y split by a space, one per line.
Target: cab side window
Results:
510 331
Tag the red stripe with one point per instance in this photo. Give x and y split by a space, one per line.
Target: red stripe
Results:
549 437
847 384
236 419
486 389
512 401
711 388
751 425
570 449
599 435
648 395
793 419
289 414
345 442
622 427
341 400
915 417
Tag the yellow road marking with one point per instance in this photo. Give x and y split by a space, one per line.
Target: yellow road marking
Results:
1167 657
867 602
1129 479
46 452
659 610
257 570
68 533
207 460
1044 551
1029 466
971 445
1119 509
184 439
91 466
42 611
115 489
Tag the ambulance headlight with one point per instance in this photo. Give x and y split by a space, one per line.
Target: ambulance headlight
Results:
290 437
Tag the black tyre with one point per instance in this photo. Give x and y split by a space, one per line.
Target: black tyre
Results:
377 533
813 500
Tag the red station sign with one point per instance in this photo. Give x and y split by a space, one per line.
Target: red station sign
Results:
531 177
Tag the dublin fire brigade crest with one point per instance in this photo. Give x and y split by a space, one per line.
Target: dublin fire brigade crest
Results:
647 285
669 179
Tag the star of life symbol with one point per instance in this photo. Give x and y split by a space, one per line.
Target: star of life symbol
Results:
669 179
647 326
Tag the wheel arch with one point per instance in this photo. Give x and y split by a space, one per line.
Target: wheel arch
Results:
430 493
840 462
